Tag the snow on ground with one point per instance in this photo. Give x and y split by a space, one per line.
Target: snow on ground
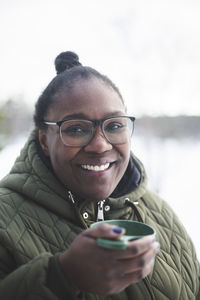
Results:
173 170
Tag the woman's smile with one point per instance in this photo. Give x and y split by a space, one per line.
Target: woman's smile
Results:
96 168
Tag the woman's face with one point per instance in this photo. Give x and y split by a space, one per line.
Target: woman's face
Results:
92 100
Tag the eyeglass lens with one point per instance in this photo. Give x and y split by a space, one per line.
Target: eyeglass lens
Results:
80 132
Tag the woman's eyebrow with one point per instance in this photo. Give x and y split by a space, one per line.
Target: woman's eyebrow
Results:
84 116
75 116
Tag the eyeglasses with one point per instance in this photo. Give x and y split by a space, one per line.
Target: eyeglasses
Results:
79 132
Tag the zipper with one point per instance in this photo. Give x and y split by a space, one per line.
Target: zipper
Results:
100 214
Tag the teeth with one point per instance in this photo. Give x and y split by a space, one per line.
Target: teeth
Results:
96 168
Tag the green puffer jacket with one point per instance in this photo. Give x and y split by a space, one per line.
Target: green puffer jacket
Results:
39 220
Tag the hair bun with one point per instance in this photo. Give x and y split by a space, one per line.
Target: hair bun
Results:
66 60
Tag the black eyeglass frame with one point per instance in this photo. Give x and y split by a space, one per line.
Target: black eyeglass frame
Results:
95 124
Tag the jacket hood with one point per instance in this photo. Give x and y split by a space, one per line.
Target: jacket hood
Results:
33 179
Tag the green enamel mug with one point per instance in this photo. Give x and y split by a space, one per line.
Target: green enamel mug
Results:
134 230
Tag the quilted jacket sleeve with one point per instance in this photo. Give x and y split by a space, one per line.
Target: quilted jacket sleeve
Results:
38 279
198 296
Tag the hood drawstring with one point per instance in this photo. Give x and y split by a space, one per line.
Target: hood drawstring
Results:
71 197
100 214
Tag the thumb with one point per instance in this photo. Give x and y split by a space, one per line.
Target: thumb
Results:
105 231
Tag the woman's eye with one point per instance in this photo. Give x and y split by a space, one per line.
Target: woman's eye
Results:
114 127
75 130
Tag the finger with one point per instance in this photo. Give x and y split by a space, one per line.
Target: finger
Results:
104 231
140 273
136 247
124 280
139 262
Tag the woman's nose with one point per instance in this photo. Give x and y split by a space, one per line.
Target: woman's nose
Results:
98 143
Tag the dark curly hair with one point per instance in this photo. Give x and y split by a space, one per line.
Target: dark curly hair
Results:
69 71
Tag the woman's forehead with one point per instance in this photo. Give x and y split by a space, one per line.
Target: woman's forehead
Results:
91 87
89 98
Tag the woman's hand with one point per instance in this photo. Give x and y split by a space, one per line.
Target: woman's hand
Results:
91 268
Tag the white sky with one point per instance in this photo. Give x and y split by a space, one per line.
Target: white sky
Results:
149 48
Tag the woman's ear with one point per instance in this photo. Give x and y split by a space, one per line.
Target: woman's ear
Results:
43 141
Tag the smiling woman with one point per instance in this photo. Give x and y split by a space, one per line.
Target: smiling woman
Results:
95 151
75 169
82 97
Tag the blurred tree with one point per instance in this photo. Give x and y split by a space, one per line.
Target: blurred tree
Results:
15 119
1 123
176 127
